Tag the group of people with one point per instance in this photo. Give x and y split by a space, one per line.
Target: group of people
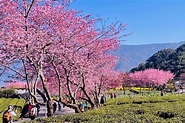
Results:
103 98
31 109
112 95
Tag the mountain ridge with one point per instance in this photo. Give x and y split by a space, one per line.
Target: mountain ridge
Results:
131 56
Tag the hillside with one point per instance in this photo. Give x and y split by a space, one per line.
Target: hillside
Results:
132 55
166 59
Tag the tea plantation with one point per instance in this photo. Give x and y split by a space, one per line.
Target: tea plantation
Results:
169 108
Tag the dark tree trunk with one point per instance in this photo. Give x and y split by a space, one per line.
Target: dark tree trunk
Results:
73 106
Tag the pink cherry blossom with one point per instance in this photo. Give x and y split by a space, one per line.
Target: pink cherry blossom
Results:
57 50
151 77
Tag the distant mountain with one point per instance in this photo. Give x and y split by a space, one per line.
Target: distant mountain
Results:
132 55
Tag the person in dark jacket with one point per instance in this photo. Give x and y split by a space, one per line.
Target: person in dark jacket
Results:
54 107
103 99
38 108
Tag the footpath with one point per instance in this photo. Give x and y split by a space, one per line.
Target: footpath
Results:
43 112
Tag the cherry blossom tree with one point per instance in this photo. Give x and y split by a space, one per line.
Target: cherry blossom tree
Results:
15 84
157 77
124 78
87 74
151 78
42 41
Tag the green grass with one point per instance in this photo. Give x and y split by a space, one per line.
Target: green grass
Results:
167 109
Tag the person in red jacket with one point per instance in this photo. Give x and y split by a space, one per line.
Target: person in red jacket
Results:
30 105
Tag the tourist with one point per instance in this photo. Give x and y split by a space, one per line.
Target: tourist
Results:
114 95
38 108
24 111
111 95
59 106
103 99
54 107
33 113
9 114
32 109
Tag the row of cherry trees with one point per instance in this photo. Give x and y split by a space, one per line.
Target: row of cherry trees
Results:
60 50
148 78
151 77
15 84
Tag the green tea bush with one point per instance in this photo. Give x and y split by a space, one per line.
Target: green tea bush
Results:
171 97
162 111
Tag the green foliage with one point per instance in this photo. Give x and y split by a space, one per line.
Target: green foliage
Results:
164 110
7 93
167 59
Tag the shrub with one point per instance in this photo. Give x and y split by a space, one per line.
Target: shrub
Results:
165 115
7 93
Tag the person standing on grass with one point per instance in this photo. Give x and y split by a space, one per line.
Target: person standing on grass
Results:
9 114
103 99
114 95
111 95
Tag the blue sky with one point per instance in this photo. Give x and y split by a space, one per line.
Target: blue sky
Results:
149 21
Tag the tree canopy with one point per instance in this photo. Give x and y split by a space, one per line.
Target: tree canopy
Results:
53 48
167 59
